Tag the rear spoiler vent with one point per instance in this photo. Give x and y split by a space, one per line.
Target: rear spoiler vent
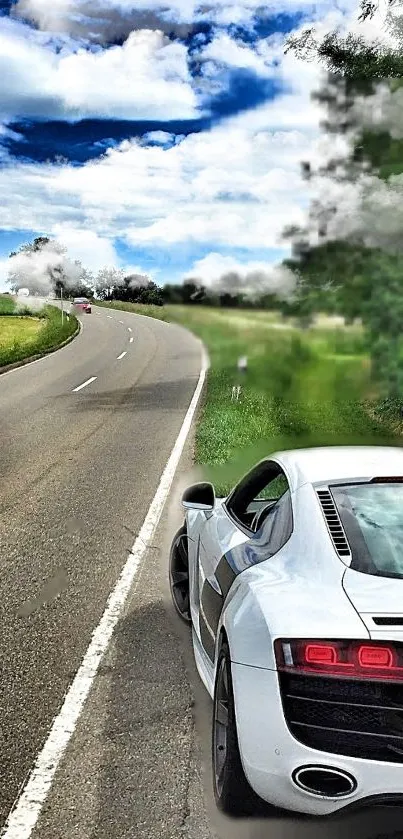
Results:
388 621
333 522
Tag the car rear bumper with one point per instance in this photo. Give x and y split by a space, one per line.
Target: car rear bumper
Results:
270 754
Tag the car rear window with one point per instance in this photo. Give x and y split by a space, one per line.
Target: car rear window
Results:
372 517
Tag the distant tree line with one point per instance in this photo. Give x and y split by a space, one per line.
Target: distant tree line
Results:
43 267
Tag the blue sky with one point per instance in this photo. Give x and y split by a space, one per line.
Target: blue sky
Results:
165 140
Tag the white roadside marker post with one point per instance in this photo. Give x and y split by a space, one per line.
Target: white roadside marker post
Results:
61 302
242 368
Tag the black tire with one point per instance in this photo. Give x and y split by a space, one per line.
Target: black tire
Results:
179 574
232 792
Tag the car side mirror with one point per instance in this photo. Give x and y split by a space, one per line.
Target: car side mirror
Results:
199 497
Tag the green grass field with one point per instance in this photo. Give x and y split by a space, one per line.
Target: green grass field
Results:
18 330
7 305
23 336
302 388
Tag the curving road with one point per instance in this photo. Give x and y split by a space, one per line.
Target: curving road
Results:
78 470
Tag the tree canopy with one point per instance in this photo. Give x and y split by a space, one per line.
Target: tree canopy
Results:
352 55
351 249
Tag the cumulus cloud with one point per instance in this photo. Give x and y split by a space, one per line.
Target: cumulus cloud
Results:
224 274
88 246
227 51
145 78
237 184
98 21
104 20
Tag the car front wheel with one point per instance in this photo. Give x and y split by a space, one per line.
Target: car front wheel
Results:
179 574
233 794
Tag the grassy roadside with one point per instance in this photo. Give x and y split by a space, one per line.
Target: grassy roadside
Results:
24 336
302 388
158 312
19 330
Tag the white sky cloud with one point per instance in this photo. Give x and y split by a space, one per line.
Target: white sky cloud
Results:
225 50
236 185
64 15
146 78
223 273
87 246
213 266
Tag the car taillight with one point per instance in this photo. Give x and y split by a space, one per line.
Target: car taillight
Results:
354 659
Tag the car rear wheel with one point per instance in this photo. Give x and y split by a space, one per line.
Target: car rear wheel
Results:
232 793
179 574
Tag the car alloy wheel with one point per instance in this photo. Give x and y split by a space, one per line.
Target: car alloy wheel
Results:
220 724
179 574
232 791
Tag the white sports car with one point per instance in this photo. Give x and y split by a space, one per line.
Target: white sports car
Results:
293 586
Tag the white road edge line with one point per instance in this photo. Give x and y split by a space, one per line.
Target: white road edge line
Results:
84 384
122 355
27 809
131 340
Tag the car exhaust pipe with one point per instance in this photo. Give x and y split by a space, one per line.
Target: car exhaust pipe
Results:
324 781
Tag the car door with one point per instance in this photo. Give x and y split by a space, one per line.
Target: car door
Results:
196 523
226 546
217 533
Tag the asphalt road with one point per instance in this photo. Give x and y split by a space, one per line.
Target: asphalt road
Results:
78 472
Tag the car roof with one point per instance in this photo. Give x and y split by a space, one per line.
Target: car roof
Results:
330 464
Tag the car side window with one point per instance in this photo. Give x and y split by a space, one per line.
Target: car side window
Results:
263 486
277 528
274 489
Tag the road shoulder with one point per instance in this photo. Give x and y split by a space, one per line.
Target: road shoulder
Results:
134 766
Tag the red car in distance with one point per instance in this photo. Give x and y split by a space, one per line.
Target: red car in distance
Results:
83 304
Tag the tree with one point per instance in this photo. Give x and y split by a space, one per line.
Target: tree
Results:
107 280
41 266
172 294
87 282
31 247
82 285
112 284
358 263
192 291
138 288
352 55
